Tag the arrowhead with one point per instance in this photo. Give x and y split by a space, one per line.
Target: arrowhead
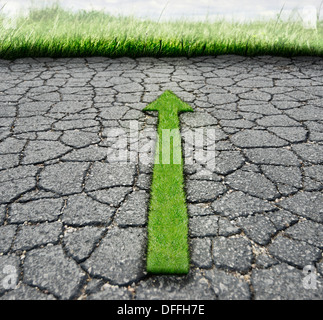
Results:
168 103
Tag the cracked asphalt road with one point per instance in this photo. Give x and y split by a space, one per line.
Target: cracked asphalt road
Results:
73 223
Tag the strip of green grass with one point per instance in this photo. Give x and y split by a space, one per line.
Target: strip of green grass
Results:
54 32
167 220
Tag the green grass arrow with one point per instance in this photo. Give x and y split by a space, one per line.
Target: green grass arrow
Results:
167 219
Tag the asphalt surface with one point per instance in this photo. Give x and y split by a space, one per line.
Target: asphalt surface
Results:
73 217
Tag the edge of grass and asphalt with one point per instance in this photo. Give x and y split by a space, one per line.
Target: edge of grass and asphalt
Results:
56 32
